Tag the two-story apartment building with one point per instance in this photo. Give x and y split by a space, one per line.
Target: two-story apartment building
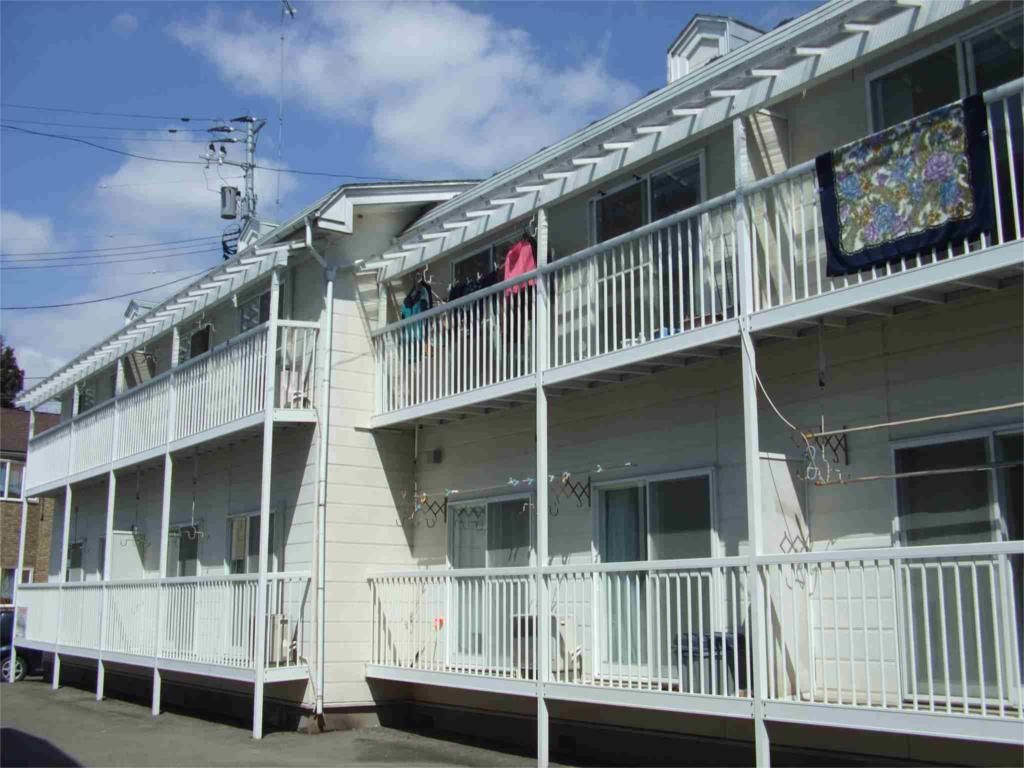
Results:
705 421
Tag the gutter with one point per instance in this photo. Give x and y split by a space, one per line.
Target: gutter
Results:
324 414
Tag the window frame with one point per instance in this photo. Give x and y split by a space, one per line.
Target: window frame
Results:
645 481
964 60
5 489
699 155
996 492
256 298
530 497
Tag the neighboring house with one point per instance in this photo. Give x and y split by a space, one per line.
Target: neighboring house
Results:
14 437
778 504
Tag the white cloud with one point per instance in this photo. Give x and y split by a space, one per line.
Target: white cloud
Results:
124 23
22 234
443 89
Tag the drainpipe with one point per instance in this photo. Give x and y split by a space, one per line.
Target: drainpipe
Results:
325 411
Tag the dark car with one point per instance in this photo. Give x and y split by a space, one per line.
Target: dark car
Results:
27 661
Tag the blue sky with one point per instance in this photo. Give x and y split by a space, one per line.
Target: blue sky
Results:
408 90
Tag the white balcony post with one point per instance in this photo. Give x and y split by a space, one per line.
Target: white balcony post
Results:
165 515
265 475
752 452
65 534
107 550
543 609
21 541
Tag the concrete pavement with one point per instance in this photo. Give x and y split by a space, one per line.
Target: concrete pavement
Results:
69 727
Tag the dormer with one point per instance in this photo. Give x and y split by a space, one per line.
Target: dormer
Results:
704 39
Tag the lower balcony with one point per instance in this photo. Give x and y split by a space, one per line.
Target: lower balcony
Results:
205 626
220 392
922 640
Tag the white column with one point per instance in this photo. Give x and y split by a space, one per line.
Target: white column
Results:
543 609
165 516
22 533
752 449
265 475
107 550
324 407
65 533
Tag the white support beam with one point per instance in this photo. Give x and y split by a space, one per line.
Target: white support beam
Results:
765 73
266 472
107 552
22 533
556 175
62 579
688 111
480 214
435 235
503 201
611 146
529 188
584 161
724 93
855 28
454 225
807 51
646 129
543 608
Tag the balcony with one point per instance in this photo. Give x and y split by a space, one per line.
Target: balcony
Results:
218 392
205 626
917 640
671 291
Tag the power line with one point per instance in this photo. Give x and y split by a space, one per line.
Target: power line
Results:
199 162
112 261
114 247
145 139
105 149
113 114
106 127
108 298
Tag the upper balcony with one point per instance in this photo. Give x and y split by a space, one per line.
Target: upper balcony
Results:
673 290
218 392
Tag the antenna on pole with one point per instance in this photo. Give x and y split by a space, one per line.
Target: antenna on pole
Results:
287 9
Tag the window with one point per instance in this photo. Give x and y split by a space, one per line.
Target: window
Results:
199 341
244 544
73 569
472 267
975 63
254 311
914 88
996 55
139 367
492 534
7 583
619 212
11 473
659 194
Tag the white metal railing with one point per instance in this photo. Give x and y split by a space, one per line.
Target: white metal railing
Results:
94 438
666 626
142 414
474 342
898 629
668 277
674 275
915 629
49 455
205 620
468 621
214 389
786 231
223 385
296 364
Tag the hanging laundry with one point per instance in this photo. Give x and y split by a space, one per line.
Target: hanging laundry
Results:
519 260
418 300
916 186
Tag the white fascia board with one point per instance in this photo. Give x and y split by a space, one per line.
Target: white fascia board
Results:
801 74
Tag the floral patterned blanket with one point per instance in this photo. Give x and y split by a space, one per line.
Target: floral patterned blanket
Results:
909 188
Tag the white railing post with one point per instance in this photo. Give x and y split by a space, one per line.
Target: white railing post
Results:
543 609
65 534
107 551
21 544
752 452
265 487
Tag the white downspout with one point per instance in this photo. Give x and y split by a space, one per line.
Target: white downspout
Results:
324 413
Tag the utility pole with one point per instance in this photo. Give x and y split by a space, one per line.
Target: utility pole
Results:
253 126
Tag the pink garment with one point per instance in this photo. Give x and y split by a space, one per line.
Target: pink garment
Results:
518 261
